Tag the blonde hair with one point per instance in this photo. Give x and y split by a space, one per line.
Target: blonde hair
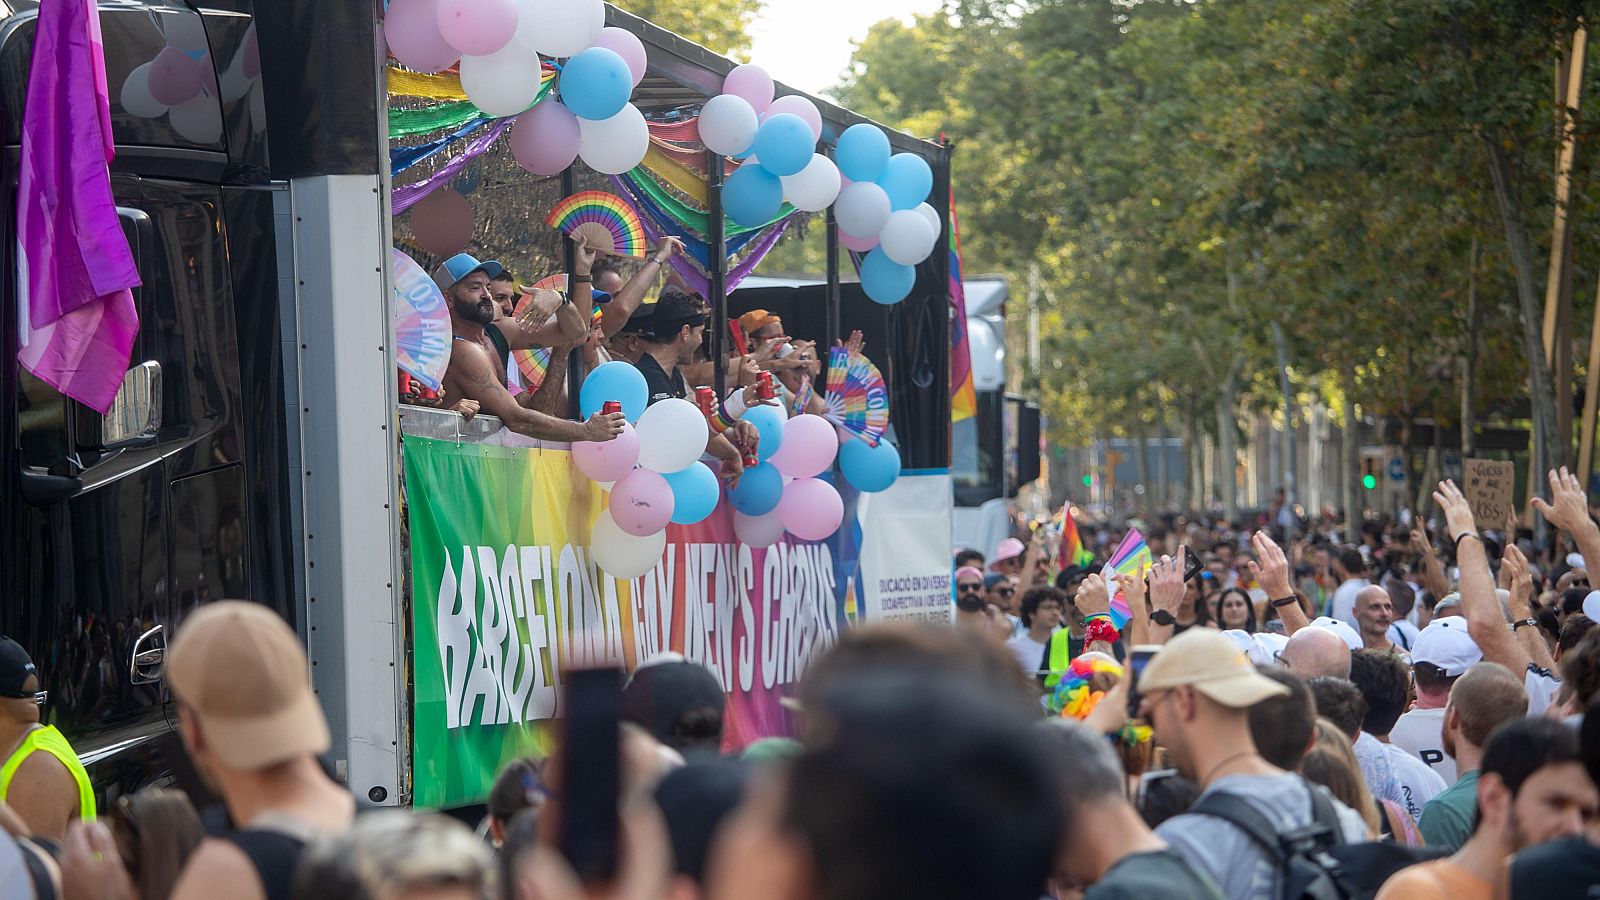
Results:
390 852
1331 762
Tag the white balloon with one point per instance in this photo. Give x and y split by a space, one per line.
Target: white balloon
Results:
615 145
862 209
932 215
505 82
672 435
814 188
560 27
199 120
906 237
136 98
728 124
621 554
758 531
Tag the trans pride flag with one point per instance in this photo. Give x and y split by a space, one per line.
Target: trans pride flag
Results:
963 397
77 320
1132 560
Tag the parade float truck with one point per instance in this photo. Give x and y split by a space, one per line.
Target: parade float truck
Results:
257 448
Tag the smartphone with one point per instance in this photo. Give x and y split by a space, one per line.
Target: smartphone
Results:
591 773
1191 566
1138 658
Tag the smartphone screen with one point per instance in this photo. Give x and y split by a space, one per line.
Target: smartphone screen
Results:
590 775
1138 658
1191 566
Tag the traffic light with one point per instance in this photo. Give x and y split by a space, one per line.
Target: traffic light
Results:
1369 482
1088 481
1369 473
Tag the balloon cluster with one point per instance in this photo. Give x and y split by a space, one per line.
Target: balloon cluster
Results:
180 82
499 44
777 138
883 212
782 492
653 468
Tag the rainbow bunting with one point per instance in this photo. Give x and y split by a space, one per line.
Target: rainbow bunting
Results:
1132 560
1072 552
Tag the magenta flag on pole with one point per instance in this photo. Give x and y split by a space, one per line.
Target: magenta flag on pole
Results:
78 320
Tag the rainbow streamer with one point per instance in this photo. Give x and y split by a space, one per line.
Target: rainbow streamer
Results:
607 215
1072 552
1132 560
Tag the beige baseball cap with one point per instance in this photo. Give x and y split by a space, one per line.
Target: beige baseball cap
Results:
1212 664
243 673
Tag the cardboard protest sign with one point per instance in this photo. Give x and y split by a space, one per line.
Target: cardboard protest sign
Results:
1487 485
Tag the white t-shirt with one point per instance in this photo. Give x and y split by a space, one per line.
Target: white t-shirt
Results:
1029 652
1343 607
1418 783
1404 633
1542 685
1420 733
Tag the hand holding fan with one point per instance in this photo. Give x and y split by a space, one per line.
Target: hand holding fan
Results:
857 399
600 221
1132 560
534 362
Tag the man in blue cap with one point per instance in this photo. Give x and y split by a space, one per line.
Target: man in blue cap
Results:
480 348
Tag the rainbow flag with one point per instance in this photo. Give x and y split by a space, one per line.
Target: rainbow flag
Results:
963 397
1072 552
1132 560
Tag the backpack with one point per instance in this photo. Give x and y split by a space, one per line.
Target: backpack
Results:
1314 860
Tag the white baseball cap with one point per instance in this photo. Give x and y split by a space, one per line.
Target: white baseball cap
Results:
1351 638
1447 644
1262 648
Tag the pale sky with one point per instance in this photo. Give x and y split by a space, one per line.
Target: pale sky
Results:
806 44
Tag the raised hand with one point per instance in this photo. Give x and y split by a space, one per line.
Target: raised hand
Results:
584 259
1272 570
1568 506
1457 512
1166 582
669 247
1093 596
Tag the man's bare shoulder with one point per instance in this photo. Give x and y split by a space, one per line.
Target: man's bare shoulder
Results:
218 869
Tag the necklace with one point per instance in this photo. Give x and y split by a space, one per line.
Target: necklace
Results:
1218 767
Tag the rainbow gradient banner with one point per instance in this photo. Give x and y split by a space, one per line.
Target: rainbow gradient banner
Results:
505 597
963 396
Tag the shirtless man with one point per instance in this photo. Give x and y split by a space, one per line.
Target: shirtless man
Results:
480 347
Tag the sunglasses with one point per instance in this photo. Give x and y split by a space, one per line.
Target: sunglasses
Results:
1006 592
975 587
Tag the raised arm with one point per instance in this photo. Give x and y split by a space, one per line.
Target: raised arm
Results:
1166 593
1568 509
1271 569
626 302
1137 630
1486 622
1432 572
1094 599
548 321
472 373
1520 587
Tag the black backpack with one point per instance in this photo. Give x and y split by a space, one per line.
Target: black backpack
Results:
1315 861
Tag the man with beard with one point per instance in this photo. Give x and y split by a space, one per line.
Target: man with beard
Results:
480 348
1531 788
975 615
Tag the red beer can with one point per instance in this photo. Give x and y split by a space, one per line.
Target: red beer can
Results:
750 459
764 388
706 399
611 406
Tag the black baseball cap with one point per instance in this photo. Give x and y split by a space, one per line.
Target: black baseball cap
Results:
679 702
16 667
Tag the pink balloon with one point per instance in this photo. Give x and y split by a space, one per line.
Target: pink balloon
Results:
477 27
641 502
794 104
811 509
751 82
545 139
622 42
607 460
809 446
411 28
859 245
175 77
441 223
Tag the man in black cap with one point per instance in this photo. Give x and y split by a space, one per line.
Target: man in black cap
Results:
679 702
40 776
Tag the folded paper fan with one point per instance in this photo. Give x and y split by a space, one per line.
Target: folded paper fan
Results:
534 362
1131 560
421 323
857 399
600 221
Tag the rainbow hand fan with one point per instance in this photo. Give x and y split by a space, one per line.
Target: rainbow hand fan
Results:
857 400
533 363
1132 560
600 221
421 323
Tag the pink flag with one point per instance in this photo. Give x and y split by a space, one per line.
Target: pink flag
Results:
78 320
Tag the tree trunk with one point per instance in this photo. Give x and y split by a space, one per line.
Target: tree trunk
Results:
1352 461
1290 473
1227 451
1162 475
1469 362
1541 396
1143 459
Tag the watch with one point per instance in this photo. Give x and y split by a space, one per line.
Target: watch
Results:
1163 618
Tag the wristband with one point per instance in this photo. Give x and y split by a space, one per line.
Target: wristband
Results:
734 405
1527 621
1463 536
720 422
583 279
1284 601
1099 627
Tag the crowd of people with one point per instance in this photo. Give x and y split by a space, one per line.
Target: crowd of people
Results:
610 316
1303 746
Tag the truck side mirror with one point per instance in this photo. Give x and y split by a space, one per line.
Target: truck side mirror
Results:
135 415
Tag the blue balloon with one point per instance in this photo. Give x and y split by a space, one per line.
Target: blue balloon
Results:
752 196
867 467
907 180
784 144
694 493
596 84
885 280
759 490
862 152
614 380
768 421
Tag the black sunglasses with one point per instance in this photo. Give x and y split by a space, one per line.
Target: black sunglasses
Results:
969 586
1006 592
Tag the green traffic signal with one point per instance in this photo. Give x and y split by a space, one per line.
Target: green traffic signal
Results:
1088 481
1369 482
